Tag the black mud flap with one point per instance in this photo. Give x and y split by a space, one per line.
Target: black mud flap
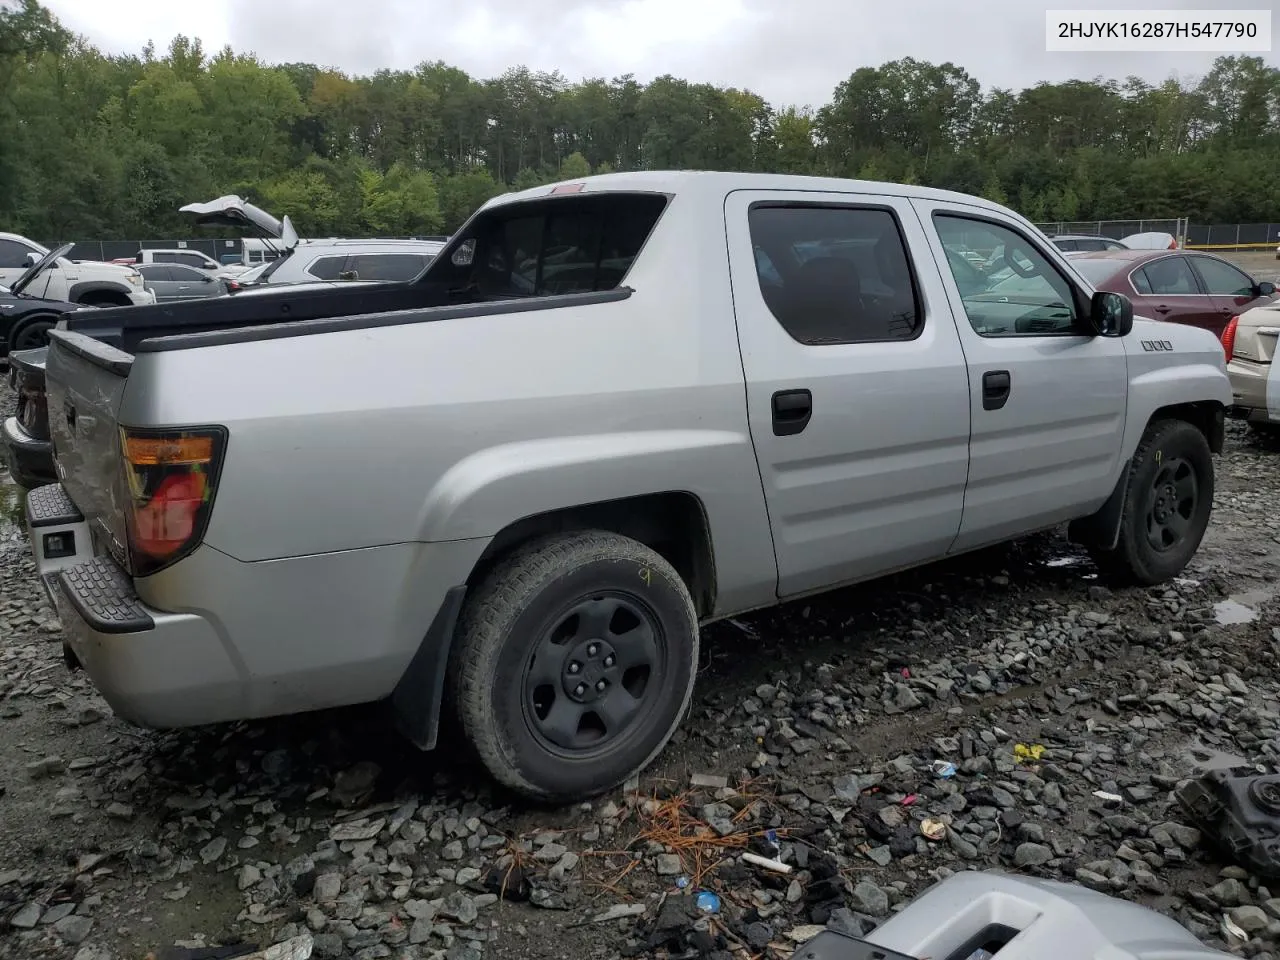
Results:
1102 529
417 698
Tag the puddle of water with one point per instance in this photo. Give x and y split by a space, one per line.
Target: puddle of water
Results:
1240 607
1066 562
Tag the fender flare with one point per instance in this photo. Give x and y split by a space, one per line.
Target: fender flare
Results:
83 287
485 492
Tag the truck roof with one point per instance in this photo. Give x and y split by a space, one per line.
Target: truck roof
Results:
711 182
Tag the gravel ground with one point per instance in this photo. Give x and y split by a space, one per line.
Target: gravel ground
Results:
1069 713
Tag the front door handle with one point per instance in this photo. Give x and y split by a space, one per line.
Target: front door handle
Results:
1163 309
791 412
995 389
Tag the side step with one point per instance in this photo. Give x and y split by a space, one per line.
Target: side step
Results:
103 595
49 506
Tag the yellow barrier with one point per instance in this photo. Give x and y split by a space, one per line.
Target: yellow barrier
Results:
1230 246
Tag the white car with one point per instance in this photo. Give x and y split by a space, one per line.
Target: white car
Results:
74 281
309 261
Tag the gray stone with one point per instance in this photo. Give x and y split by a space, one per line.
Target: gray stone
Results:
1032 855
73 929
458 906
880 855
213 850
248 876
452 851
327 946
420 932
420 909
1230 893
870 899
669 865
1250 919
57 912
27 917
551 852
328 886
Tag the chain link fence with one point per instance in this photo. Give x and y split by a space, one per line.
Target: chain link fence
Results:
1117 229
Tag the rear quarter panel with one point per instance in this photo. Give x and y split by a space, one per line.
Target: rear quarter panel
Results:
452 430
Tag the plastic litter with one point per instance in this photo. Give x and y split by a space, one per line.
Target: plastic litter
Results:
944 769
707 902
909 800
1109 797
771 838
682 882
777 866
975 915
933 829
1240 815
1022 752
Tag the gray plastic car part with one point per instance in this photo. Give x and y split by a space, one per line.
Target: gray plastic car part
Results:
979 915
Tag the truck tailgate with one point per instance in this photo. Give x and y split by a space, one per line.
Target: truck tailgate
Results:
85 381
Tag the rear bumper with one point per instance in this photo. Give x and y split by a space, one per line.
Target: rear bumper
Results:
30 461
214 639
1249 390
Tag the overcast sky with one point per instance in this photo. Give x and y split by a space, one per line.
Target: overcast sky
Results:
788 51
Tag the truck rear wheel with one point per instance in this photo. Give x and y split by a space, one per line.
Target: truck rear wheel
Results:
1168 499
575 664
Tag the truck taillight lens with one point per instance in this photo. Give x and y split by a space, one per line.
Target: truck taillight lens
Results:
171 477
1229 338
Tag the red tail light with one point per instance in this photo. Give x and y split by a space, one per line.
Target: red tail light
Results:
1173 244
1229 338
171 477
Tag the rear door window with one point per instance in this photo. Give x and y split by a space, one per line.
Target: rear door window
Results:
385 266
1171 277
834 274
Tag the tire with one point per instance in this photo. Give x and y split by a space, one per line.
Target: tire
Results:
32 332
562 607
1168 500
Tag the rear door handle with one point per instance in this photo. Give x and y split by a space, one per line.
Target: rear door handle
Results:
995 389
791 412
1163 309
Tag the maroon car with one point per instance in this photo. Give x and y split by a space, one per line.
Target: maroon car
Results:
1182 286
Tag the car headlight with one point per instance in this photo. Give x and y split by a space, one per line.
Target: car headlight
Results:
135 279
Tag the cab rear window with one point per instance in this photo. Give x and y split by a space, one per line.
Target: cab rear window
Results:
564 244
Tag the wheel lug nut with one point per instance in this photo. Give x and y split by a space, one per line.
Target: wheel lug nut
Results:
592 649
580 689
601 685
608 661
575 667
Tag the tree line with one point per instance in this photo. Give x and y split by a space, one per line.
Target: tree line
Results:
99 146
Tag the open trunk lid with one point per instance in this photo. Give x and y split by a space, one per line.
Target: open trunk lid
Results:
84 382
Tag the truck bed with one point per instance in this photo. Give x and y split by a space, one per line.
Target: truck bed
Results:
126 327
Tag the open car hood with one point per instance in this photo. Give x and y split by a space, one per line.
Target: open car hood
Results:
33 271
240 214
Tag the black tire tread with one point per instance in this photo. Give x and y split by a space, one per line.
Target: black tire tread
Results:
1122 565
27 321
489 613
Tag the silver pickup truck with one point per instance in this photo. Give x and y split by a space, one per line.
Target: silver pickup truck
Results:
609 411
